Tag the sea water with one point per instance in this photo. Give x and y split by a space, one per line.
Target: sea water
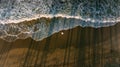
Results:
38 19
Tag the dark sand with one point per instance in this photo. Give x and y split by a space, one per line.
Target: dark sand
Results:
78 47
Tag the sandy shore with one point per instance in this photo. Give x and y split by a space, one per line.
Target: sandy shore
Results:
84 47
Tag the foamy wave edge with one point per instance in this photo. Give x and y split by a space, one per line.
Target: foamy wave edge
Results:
10 30
59 15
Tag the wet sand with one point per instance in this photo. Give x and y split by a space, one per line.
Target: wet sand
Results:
77 47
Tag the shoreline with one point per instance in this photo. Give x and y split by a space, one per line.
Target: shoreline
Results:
45 27
77 44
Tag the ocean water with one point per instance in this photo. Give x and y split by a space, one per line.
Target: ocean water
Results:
38 19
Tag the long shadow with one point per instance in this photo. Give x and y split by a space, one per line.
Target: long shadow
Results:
98 44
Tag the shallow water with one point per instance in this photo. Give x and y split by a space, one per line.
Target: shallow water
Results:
20 19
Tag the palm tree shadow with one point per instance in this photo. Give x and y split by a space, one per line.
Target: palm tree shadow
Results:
106 39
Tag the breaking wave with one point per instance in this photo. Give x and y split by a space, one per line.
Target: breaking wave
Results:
38 19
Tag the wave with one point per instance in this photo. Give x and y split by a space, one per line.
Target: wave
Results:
8 21
41 28
38 19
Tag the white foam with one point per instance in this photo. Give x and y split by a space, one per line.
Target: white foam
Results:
7 21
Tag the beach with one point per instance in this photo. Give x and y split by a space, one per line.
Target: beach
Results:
83 47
